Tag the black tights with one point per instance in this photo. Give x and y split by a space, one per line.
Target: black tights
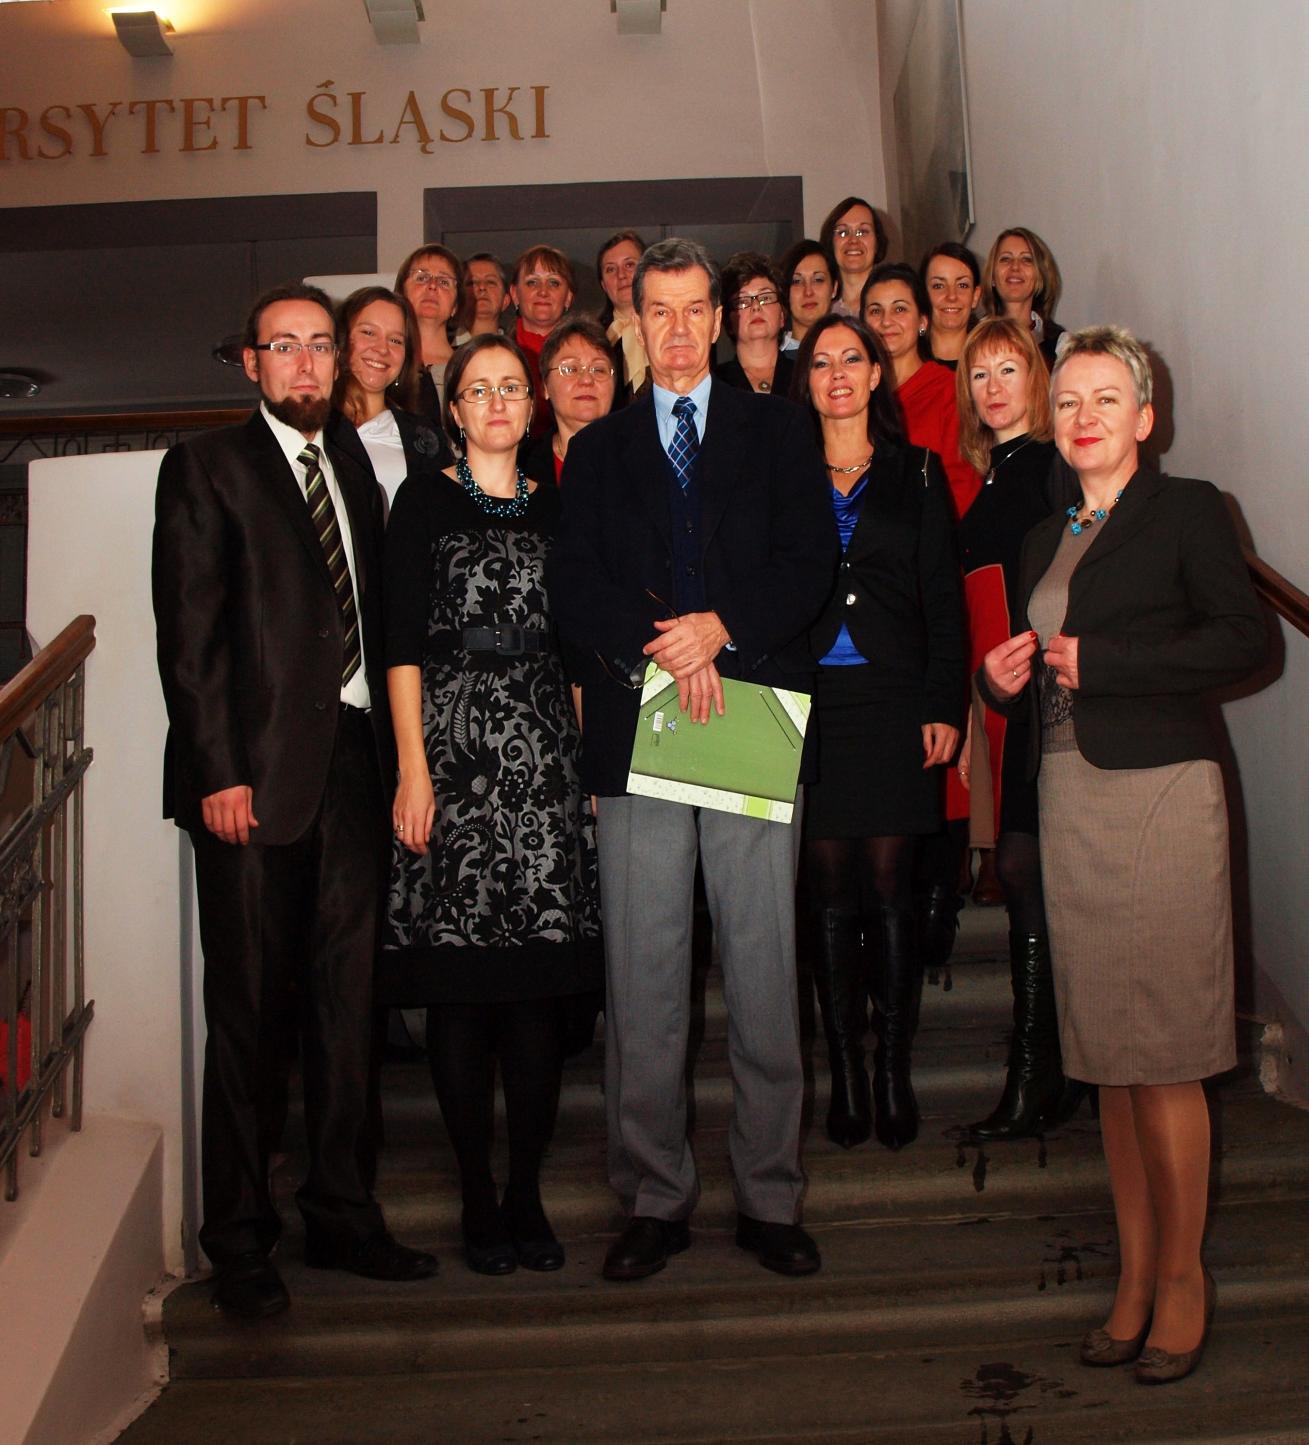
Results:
860 874
1018 867
464 1042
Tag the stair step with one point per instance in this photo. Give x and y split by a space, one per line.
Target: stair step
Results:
895 1288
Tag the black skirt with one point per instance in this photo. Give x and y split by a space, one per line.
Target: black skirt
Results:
871 780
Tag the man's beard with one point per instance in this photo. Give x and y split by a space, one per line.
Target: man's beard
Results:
305 413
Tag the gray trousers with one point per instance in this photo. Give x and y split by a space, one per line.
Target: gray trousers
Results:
647 859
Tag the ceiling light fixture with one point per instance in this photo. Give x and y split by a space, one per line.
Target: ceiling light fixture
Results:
638 17
141 32
395 22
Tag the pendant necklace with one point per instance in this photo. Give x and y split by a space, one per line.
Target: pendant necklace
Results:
995 466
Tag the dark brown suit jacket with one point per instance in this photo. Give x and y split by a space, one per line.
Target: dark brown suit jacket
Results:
249 630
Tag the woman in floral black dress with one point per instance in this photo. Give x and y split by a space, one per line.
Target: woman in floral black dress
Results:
492 914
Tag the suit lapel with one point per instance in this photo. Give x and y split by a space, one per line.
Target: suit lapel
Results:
274 474
645 464
721 455
1129 516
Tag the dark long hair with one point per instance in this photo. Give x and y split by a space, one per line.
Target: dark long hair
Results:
904 273
834 215
884 424
404 389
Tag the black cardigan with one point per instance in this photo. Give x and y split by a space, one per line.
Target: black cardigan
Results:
1163 610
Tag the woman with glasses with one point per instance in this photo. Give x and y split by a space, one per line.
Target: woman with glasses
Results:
887 704
755 314
577 370
615 267
491 912
376 388
810 277
853 234
431 279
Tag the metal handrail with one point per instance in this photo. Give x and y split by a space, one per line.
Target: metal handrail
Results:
43 761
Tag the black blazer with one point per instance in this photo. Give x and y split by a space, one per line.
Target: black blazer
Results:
733 373
898 589
769 555
536 456
248 626
425 446
1163 610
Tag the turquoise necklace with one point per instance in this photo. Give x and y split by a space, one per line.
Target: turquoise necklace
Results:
513 506
1077 525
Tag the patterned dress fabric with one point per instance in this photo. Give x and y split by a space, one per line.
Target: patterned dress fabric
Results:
503 905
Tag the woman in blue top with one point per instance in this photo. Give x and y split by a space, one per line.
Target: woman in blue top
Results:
888 704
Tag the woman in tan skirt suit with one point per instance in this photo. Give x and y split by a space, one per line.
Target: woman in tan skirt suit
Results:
1140 602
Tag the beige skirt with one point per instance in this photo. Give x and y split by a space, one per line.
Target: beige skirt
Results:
1138 898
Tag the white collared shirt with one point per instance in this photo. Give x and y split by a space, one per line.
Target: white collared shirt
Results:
663 405
292 442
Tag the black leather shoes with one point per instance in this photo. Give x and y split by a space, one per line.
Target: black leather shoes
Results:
783 1248
249 1286
644 1247
380 1256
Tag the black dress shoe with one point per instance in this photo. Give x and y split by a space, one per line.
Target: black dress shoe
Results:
249 1286
784 1248
644 1247
380 1256
535 1243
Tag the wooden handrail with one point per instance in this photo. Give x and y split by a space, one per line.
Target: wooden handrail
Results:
53 665
1282 596
121 421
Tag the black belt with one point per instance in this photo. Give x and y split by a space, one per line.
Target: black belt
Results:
506 640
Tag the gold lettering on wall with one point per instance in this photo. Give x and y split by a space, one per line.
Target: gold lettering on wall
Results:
197 124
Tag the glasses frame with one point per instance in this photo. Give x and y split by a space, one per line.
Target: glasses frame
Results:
288 349
599 370
466 395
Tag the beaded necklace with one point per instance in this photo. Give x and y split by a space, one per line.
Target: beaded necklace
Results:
513 506
1077 525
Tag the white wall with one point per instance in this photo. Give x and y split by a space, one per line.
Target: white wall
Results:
90 524
730 87
1154 144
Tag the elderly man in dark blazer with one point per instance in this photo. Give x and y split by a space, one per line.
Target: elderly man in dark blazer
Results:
695 531
266 593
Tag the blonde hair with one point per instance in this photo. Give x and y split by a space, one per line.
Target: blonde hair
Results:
1048 280
1113 341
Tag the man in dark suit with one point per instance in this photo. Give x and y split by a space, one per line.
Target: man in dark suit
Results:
266 592
696 531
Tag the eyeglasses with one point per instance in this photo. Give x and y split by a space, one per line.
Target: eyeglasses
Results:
860 233
570 369
757 302
439 279
294 348
480 394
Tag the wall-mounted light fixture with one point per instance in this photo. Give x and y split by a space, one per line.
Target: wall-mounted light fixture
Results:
395 22
638 17
142 32
18 385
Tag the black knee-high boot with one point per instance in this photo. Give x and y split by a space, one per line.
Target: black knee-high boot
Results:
1034 1085
937 917
842 996
897 988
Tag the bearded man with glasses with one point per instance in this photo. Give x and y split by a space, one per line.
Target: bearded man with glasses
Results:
265 574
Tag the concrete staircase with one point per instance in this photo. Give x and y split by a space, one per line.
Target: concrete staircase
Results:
956 1284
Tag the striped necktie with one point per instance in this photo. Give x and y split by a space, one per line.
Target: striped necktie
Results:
686 441
323 515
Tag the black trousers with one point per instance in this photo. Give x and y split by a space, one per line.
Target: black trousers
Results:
288 927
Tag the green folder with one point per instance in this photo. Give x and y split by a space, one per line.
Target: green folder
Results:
747 761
